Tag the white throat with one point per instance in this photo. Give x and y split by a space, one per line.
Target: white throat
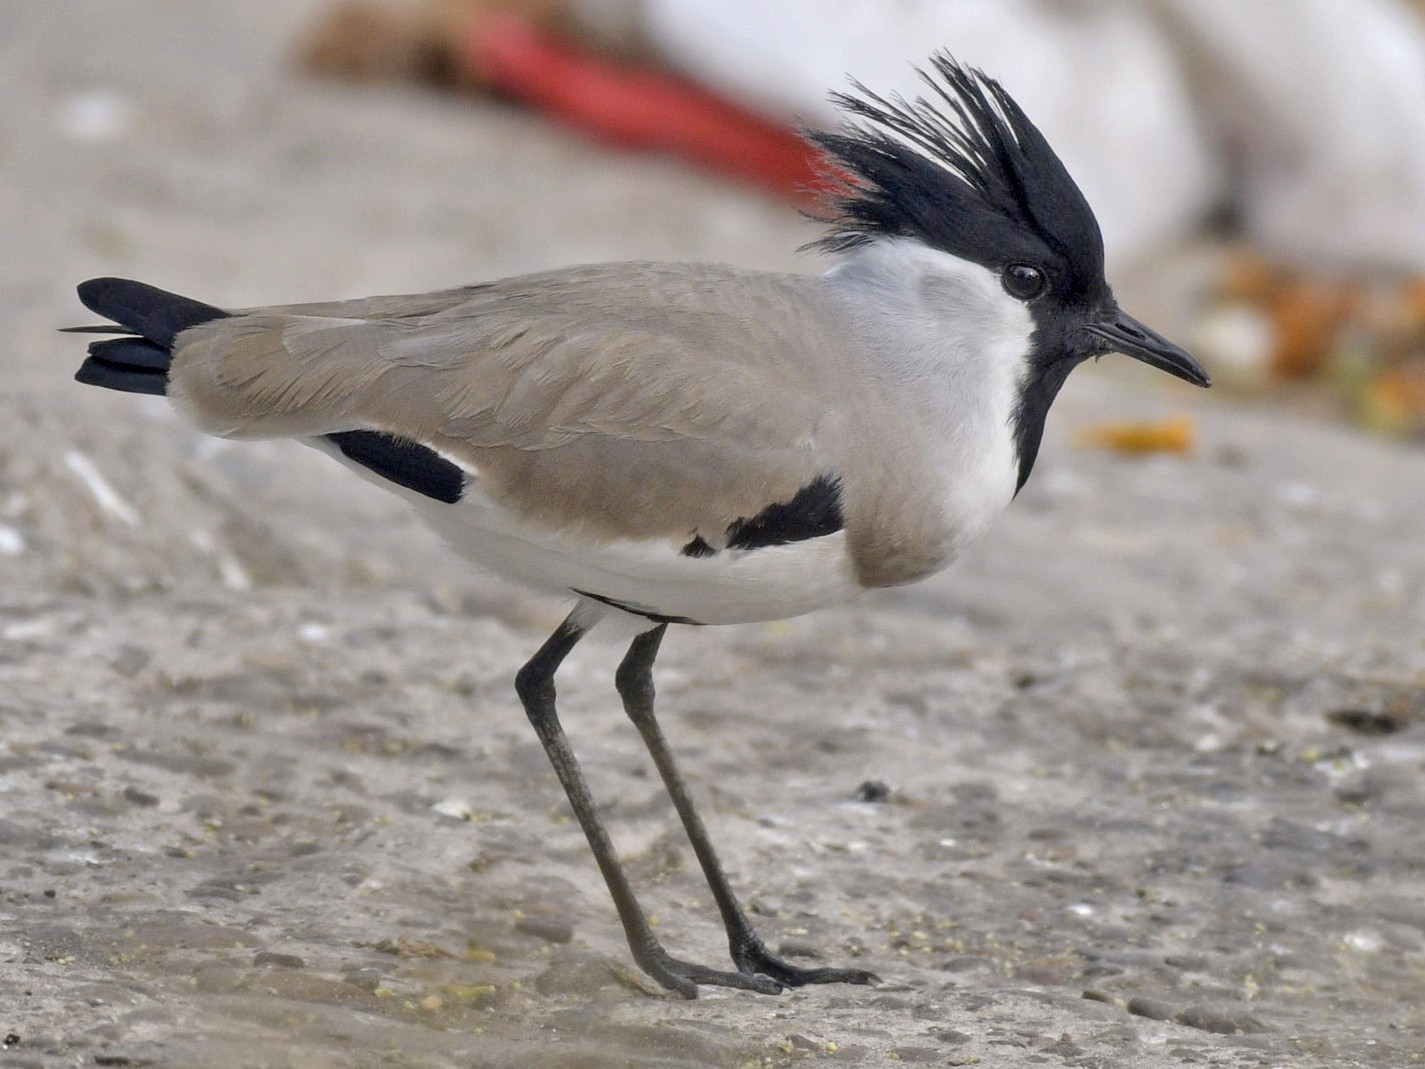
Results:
952 346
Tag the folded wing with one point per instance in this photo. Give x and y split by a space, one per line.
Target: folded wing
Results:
624 400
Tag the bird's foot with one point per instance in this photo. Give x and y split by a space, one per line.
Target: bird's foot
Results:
754 957
684 977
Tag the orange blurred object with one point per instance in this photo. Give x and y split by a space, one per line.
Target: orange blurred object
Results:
1306 318
1394 401
419 40
1176 434
1412 300
1249 276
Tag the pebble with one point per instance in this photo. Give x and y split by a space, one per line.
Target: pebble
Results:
367 978
1226 1021
138 797
550 929
278 960
1151 1008
129 660
582 976
873 790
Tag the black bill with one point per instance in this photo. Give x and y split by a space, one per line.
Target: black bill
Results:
1124 334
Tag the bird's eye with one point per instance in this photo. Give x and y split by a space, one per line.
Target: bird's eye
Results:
1023 282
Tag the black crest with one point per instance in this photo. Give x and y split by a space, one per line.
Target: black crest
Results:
963 170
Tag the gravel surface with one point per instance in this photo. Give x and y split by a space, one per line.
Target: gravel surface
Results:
1137 783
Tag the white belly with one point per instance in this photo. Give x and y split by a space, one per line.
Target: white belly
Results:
729 587
734 586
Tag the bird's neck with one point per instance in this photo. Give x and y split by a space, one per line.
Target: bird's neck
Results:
949 348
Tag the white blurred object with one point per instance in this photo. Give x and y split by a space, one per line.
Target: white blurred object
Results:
96 115
1319 108
108 499
1307 115
1124 128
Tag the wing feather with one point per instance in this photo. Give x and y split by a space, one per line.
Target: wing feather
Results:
627 400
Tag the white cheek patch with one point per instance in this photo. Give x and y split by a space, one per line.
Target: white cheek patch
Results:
924 312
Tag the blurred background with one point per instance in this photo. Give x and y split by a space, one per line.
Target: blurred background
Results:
1281 143
1259 170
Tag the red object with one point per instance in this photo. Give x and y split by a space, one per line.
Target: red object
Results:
642 108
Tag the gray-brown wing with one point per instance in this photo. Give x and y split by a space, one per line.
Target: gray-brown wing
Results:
393 306
629 400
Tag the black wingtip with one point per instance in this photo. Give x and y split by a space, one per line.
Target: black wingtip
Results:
157 314
409 464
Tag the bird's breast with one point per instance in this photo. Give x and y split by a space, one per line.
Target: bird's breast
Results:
924 504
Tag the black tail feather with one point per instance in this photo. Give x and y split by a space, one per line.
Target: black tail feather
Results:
128 378
136 353
131 365
158 315
151 318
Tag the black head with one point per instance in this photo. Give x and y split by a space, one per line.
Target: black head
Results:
963 170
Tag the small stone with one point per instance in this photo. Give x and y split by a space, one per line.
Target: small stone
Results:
278 960
873 790
914 1055
576 977
1359 789
454 808
550 929
220 979
1187 962
797 1041
1151 1008
1366 721
133 1054
367 978
138 797
304 987
950 1037
1223 1022
130 660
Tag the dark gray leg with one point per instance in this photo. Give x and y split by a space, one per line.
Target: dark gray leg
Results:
749 953
535 684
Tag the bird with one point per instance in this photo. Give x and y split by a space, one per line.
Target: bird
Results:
691 443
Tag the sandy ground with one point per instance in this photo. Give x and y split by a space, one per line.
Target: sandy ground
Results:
1153 751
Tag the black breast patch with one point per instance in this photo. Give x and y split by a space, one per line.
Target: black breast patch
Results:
409 464
814 511
698 547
